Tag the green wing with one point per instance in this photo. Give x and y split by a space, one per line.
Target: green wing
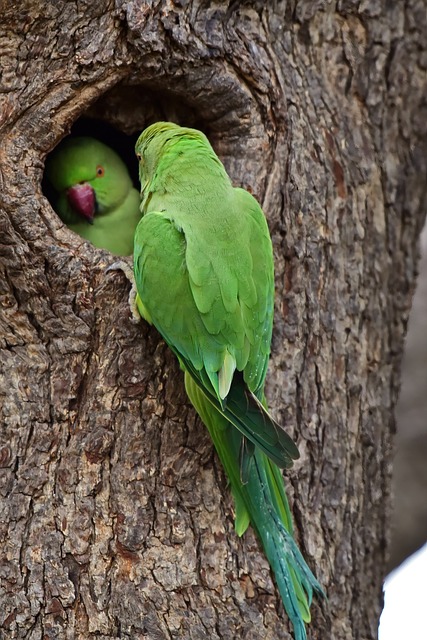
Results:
166 274
227 288
259 318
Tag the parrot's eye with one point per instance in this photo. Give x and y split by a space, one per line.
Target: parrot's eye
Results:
139 156
100 171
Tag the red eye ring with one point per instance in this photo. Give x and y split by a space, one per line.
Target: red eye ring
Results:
100 171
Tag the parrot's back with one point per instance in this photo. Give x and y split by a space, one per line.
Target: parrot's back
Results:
227 258
203 266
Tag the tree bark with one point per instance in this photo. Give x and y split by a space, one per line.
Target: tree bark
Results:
116 521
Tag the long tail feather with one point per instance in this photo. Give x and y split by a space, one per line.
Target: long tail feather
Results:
262 501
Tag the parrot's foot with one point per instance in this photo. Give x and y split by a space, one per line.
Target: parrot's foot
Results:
121 265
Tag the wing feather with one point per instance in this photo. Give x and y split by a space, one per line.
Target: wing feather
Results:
207 350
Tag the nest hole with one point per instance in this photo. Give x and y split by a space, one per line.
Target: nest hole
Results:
118 117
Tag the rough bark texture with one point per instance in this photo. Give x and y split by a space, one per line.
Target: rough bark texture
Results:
115 517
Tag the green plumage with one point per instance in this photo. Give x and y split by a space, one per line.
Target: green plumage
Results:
203 267
84 160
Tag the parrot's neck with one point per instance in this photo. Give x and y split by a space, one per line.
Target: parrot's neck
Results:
197 174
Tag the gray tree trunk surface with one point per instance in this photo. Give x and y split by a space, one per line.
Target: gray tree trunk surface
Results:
115 517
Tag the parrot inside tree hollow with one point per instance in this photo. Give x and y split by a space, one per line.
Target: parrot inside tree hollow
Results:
93 193
203 269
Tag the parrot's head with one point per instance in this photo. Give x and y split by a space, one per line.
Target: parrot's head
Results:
87 179
150 146
161 145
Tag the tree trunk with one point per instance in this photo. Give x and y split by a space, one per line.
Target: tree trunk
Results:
116 521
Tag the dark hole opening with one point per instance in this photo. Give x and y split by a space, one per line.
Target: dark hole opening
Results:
119 116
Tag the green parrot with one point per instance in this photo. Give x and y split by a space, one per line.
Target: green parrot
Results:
203 270
93 193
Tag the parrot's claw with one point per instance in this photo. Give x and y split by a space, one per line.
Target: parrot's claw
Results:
121 265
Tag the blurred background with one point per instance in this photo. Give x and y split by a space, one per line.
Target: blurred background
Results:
405 587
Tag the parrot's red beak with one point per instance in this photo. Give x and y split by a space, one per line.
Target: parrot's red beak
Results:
82 200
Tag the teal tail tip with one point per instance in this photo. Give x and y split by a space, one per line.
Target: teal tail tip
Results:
272 520
295 580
